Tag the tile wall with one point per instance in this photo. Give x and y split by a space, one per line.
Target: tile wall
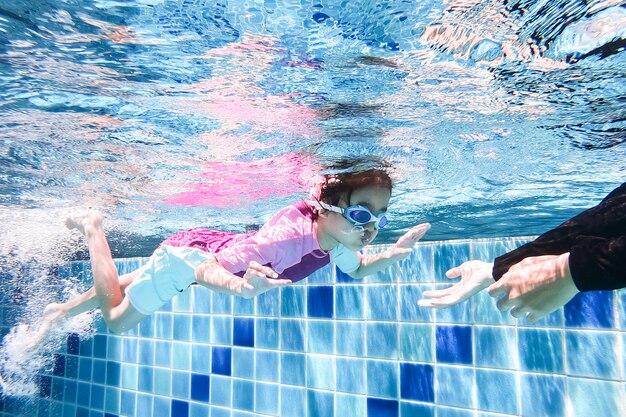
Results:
331 346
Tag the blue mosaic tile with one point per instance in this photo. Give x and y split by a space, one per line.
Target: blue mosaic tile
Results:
382 377
71 367
266 396
97 396
243 363
409 310
377 407
221 390
86 347
145 375
201 299
320 301
268 304
454 344
418 266
292 335
58 365
127 403
180 408
321 276
222 330
243 306
416 341
485 311
163 381
201 358
292 368
45 386
69 394
595 398
161 407
496 391
129 350
182 327
114 348
147 327
377 336
543 395
162 353
447 256
73 344
129 376
144 405
113 373
100 346
592 354
592 309
292 301
540 350
293 401
496 347
266 333
417 382
349 302
201 328
199 410
267 365
352 340
112 400
382 303
242 395
344 278
164 328
221 303
320 372
350 405
449 379
181 355
145 353
408 409
182 303
320 404
621 308
243 332
321 336
200 385
221 360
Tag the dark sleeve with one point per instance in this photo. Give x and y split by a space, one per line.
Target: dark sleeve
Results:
598 264
607 220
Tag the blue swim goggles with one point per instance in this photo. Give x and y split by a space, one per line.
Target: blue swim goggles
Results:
357 215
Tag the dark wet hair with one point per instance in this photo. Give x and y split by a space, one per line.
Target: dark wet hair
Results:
340 186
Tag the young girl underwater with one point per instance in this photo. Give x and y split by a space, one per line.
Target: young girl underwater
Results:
343 215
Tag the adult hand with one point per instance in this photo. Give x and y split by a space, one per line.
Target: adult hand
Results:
535 287
475 276
258 279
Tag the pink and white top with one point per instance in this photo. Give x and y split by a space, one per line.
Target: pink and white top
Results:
287 243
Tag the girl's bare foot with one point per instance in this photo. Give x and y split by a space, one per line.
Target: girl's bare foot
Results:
84 220
52 315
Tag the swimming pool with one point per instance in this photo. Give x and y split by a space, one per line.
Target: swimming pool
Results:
497 118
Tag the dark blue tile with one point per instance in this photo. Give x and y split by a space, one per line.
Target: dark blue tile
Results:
343 277
377 407
100 346
85 347
45 386
590 309
243 332
58 367
200 387
73 343
454 344
220 360
320 301
110 415
417 382
113 373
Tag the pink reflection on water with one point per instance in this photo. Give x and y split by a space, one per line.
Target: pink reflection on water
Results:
227 183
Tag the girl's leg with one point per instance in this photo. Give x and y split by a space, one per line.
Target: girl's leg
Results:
117 311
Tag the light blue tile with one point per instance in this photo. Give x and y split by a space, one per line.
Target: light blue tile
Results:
292 335
447 256
145 377
409 310
112 400
163 325
145 352
292 401
201 299
201 328
485 310
181 383
221 389
114 348
127 403
129 376
378 337
457 314
382 379
352 340
222 330
266 399
243 363
162 381
540 350
592 354
220 412
621 308
320 404
596 398
496 347
349 302
161 407
201 359
267 365
243 306
321 336
243 398
542 395
292 368
182 303
221 303
454 412
321 372
488 250
292 301
448 379
350 405
162 353
182 327
266 333
321 276
198 410
381 302
418 266
416 342
497 391
181 355
408 409
147 327
268 304
129 350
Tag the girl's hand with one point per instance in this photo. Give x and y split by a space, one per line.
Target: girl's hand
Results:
410 238
475 276
258 279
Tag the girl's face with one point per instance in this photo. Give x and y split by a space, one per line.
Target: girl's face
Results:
376 199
